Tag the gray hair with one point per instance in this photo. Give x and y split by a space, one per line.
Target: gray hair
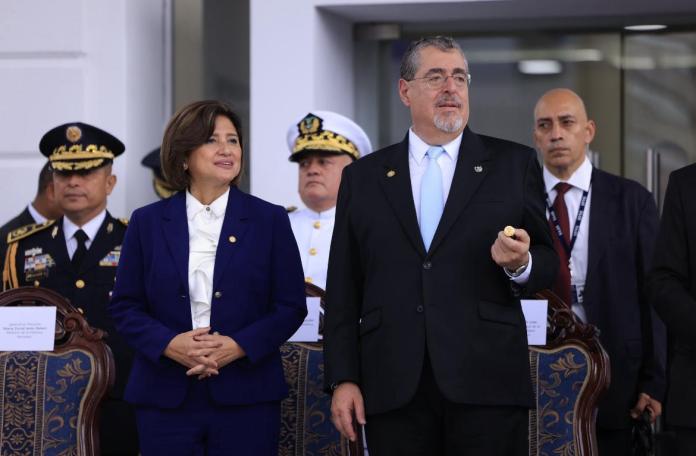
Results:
411 59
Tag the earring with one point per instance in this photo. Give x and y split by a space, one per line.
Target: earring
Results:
185 166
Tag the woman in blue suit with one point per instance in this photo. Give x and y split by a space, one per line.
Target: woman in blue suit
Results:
209 285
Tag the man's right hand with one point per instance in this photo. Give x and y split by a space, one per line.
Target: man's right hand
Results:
182 346
347 401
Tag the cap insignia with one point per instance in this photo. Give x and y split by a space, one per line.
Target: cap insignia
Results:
73 133
310 125
313 137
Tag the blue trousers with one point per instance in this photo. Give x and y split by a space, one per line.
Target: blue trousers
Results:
202 428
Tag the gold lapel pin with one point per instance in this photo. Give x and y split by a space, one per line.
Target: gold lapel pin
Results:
478 168
109 227
391 173
54 233
232 239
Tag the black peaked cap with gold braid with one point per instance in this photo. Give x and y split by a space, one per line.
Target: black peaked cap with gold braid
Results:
77 146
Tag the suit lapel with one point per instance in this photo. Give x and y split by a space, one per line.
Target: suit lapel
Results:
232 234
175 230
602 210
471 169
395 179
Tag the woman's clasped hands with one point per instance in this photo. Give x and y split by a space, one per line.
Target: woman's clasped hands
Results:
203 353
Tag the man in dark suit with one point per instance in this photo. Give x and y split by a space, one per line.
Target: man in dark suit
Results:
77 254
604 229
423 318
44 207
672 285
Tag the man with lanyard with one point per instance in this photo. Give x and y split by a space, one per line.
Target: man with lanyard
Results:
77 255
322 143
604 229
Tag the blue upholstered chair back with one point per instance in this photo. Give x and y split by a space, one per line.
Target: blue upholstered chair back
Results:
49 400
306 428
568 375
559 377
42 398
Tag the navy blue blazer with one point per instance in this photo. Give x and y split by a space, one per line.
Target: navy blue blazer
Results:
258 299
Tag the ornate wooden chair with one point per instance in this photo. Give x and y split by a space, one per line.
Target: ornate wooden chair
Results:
49 400
568 375
306 428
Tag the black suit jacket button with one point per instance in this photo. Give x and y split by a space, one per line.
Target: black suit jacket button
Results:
427 265
419 309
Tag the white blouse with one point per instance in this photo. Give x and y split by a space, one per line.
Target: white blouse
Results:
204 227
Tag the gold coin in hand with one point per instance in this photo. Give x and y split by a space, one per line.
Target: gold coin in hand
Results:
509 231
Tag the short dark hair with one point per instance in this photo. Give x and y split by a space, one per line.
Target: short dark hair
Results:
187 130
45 178
411 59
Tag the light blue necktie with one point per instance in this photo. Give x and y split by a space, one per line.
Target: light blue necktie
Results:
432 201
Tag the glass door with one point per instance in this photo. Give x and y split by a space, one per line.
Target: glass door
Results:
659 90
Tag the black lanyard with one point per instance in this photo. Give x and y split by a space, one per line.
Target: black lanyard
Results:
554 218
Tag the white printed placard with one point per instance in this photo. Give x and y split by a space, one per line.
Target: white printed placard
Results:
27 328
309 331
534 311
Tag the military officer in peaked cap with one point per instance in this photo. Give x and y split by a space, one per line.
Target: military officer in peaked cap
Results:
322 143
77 254
159 184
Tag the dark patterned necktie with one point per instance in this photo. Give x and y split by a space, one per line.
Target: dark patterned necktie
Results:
79 254
562 285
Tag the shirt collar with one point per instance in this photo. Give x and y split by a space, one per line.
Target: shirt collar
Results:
417 147
90 228
581 178
327 214
217 207
38 218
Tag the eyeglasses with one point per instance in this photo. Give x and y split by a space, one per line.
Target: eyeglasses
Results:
438 81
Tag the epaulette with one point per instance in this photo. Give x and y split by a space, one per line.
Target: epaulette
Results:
28 230
124 221
290 209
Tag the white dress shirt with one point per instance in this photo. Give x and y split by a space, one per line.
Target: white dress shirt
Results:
313 232
38 218
90 228
204 227
580 181
418 163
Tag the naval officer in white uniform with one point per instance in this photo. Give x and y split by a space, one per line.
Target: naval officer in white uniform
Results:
322 143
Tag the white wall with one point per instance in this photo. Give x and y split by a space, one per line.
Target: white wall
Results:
301 59
97 61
